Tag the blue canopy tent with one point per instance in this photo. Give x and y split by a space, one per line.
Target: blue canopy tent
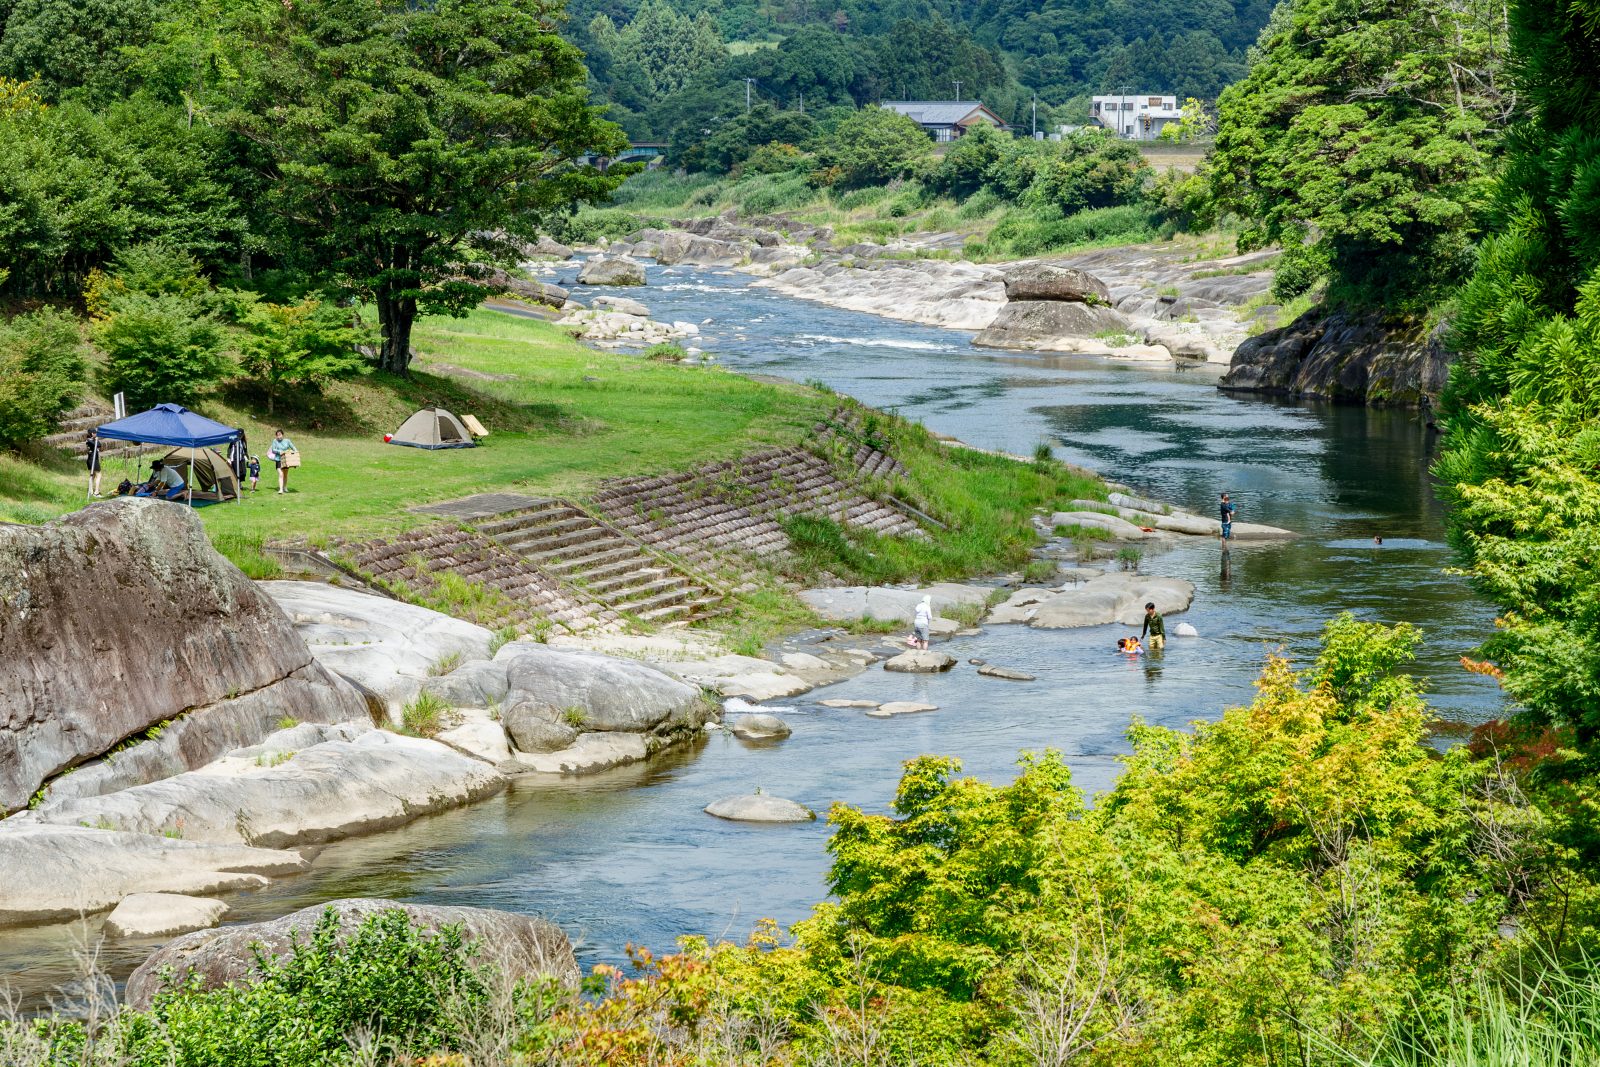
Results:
175 426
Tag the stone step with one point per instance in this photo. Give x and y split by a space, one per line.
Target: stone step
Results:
654 595
672 615
610 568
621 584
540 542
543 522
563 561
531 516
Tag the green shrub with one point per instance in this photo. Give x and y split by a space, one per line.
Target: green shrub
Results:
854 198
426 715
41 373
768 193
979 204
159 349
667 352
587 227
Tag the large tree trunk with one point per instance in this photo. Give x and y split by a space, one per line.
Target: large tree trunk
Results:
395 316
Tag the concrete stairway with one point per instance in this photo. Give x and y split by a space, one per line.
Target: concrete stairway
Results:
69 434
601 562
419 557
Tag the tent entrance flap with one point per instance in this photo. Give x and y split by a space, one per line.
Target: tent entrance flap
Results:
205 472
432 428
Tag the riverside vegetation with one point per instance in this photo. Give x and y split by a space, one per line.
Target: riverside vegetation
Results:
1304 880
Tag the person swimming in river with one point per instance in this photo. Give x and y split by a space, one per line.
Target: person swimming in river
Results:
1129 646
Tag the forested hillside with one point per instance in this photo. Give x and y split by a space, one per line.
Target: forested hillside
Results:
672 67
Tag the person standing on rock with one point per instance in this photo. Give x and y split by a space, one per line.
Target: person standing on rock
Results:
922 622
1227 510
1155 626
279 452
91 459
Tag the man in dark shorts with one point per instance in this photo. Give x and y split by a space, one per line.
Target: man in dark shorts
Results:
1227 518
1155 626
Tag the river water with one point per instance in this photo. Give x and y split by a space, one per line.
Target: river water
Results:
629 856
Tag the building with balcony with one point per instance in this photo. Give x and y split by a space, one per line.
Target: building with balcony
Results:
1136 116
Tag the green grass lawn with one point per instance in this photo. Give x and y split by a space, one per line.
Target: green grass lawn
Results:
561 418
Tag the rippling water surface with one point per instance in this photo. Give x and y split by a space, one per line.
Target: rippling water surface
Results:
629 856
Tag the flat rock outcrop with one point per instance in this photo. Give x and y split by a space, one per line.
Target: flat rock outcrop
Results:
1111 598
119 617
759 807
162 915
519 946
851 603
56 873
920 661
387 646
693 249
900 707
278 799
602 693
1362 358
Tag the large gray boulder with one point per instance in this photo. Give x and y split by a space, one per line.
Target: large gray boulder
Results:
850 603
120 617
538 728
520 946
477 684
920 661
56 873
602 693
689 248
1378 360
612 270
1112 598
331 790
759 807
1051 281
525 289
1052 325
760 726
162 915
388 647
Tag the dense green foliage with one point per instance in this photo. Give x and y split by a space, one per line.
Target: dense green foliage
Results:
1362 144
1523 464
41 373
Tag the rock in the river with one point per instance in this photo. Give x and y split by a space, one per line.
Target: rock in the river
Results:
1117 527
603 693
759 807
900 707
56 873
1051 281
1112 598
738 676
920 661
612 270
1373 359
162 915
622 305
1055 325
387 646
519 946
535 728
989 670
331 790
838 702
589 754
533 292
681 247
1183 629
760 727
548 248
121 616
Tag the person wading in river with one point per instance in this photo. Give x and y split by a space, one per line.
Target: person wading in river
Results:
1155 626
1227 510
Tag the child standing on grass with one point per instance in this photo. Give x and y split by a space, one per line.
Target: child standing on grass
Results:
253 465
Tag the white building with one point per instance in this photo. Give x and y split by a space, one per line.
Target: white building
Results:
1136 116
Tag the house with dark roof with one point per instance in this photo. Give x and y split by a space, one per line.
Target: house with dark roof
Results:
946 120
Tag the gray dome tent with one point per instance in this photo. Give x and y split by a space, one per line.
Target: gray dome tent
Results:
432 428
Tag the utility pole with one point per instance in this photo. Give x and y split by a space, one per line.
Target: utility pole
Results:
1122 91
958 92
747 82
1036 118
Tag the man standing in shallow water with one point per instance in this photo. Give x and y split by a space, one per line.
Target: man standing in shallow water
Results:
1227 518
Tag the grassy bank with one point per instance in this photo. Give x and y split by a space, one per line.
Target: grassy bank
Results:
563 418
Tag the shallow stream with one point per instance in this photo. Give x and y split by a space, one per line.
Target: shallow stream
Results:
630 857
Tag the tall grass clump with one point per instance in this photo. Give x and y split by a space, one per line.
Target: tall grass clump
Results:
662 190
588 226
1031 231
766 193
246 552
859 198
980 204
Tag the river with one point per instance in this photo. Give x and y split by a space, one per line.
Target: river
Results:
630 857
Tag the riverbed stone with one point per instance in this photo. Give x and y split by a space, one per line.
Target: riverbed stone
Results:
122 616
477 684
1045 325
839 702
900 707
621 305
1183 629
589 754
386 646
1118 527
329 791
695 250
738 676
1052 281
990 670
519 946
1112 598
480 739
607 693
760 727
920 661
56 873
538 728
612 270
162 915
759 807
852 603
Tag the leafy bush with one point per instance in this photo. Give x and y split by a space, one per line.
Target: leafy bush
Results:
872 146
299 346
767 193
159 349
1033 231
1091 170
590 225
41 373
